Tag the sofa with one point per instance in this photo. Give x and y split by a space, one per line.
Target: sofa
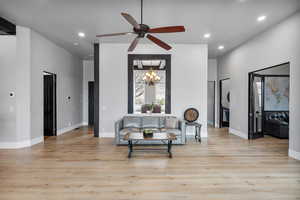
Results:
159 123
276 124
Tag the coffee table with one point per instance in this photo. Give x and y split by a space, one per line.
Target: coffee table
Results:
135 137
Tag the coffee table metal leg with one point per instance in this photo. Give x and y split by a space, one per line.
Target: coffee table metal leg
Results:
170 148
129 148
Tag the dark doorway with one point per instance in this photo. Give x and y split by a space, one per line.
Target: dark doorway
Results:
91 103
268 104
224 103
49 104
211 89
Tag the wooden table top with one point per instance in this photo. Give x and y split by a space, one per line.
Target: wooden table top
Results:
156 136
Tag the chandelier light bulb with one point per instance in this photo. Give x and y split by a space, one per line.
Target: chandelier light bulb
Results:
151 77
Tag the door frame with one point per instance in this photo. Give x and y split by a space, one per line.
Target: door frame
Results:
250 136
54 102
131 58
89 107
251 121
220 103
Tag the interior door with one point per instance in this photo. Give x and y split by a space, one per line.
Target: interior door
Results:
91 103
49 123
256 89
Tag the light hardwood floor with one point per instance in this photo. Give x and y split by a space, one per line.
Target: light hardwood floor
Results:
78 166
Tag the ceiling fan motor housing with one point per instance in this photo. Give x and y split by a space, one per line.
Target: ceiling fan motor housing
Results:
142 30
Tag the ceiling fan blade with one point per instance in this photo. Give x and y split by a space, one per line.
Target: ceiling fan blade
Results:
134 43
159 42
114 34
167 29
131 20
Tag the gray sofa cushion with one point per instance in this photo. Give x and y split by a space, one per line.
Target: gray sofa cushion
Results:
171 123
128 130
150 122
132 122
162 121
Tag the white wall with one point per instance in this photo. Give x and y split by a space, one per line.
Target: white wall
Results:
212 70
33 55
47 56
7 85
280 70
212 76
88 75
188 81
23 64
278 45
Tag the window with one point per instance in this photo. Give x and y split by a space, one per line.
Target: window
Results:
259 93
145 94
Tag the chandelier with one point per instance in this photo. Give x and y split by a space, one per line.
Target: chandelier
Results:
151 77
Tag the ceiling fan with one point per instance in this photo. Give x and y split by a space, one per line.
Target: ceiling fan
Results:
143 30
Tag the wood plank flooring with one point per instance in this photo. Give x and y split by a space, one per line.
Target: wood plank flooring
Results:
78 166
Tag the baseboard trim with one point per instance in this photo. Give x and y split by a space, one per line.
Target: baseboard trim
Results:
21 144
70 128
85 123
238 133
107 135
294 154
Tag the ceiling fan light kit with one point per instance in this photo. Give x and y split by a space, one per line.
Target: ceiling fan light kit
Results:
143 30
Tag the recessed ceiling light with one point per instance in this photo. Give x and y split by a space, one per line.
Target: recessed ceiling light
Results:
206 35
261 18
221 47
76 43
81 34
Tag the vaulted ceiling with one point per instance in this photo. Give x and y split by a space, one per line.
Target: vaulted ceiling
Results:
230 22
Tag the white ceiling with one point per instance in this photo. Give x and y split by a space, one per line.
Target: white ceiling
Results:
230 22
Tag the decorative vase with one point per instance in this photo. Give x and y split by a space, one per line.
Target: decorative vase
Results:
147 133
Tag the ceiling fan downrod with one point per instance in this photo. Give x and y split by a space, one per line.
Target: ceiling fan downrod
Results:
142 5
